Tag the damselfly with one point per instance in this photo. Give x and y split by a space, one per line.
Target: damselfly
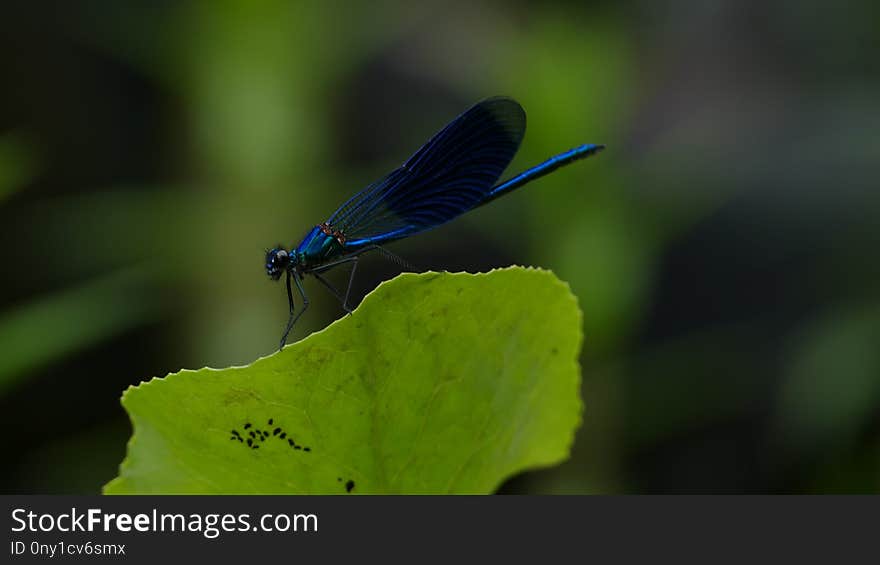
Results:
454 172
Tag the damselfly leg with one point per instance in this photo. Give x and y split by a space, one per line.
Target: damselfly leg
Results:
329 286
353 259
343 299
294 316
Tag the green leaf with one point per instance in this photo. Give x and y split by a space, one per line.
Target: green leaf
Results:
438 383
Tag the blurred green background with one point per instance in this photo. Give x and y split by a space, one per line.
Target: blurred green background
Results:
723 247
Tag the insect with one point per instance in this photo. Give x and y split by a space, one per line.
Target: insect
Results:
454 172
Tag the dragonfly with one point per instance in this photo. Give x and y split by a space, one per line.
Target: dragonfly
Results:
456 171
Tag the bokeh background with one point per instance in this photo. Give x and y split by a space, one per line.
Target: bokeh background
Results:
724 246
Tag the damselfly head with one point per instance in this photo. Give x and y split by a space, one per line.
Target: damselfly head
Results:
277 261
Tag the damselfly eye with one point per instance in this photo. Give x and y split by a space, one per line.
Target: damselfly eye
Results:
276 261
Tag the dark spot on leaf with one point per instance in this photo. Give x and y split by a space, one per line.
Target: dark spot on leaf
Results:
283 435
290 441
250 442
349 486
276 431
235 432
339 479
270 421
255 447
307 448
297 447
246 426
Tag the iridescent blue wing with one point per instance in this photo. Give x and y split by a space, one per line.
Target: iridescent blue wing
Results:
448 176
